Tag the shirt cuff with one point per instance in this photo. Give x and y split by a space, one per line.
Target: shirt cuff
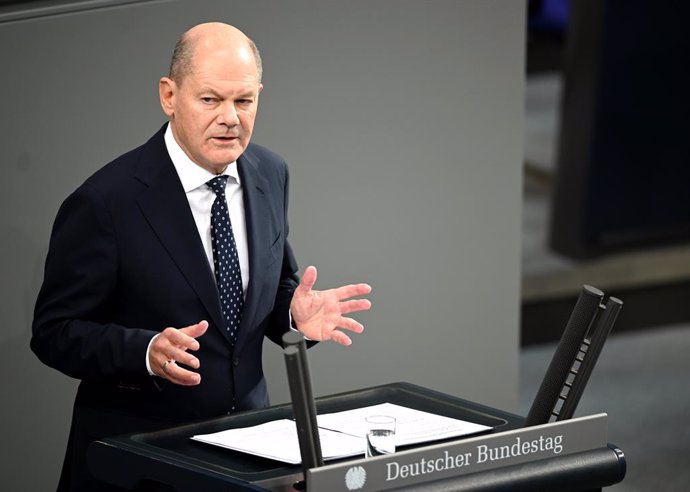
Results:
294 328
148 349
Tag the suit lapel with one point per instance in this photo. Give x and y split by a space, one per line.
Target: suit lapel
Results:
257 217
166 208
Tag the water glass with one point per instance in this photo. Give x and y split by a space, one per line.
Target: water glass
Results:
380 436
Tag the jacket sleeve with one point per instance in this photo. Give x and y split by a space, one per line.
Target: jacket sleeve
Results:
73 329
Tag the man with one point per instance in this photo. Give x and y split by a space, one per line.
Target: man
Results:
136 300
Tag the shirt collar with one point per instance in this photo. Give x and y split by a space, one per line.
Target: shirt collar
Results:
191 174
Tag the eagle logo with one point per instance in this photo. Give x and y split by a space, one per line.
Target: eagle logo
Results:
355 478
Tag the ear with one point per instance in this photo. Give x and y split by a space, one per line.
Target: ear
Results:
167 89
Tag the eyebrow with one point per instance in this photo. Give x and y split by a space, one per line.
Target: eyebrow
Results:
242 95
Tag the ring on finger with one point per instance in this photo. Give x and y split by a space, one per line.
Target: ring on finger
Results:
165 365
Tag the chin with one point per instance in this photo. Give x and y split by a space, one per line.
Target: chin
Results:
219 162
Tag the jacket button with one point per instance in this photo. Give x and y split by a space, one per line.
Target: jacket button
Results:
236 361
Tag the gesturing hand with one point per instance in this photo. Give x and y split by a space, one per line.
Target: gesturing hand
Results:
319 313
170 346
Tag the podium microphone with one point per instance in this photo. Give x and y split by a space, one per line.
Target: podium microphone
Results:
303 405
556 375
576 354
590 351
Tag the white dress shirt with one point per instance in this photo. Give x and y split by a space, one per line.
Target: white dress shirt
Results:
200 197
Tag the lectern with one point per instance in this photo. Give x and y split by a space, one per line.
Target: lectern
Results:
509 457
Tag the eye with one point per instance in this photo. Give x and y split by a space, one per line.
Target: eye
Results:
208 100
245 102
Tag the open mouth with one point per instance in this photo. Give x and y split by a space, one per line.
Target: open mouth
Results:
228 139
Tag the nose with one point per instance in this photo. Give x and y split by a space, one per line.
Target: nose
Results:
228 114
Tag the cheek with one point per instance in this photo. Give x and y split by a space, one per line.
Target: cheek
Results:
248 122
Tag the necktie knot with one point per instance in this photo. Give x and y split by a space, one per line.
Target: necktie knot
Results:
217 184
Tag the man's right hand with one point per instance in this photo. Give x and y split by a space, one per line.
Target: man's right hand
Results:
171 346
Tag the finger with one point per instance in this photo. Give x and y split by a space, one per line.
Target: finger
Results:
158 355
355 305
307 281
183 377
182 356
351 325
196 330
164 348
341 338
352 290
179 338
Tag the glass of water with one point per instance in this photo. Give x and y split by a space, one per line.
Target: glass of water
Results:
380 438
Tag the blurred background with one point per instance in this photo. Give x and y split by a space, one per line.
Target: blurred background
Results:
607 148
606 203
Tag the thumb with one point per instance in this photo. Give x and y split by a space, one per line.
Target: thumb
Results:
308 280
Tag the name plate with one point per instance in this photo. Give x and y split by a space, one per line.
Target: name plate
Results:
469 455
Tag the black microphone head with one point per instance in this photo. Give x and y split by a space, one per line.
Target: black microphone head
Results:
556 375
292 337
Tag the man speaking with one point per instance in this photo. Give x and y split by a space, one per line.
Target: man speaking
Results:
168 267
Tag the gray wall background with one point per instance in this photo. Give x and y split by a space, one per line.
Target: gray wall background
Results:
402 123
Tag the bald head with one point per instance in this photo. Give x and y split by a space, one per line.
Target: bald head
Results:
212 36
212 95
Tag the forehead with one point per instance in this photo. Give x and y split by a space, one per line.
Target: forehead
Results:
220 74
225 61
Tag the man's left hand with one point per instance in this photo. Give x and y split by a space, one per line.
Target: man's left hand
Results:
318 314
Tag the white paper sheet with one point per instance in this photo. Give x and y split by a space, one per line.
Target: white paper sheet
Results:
341 434
278 440
412 426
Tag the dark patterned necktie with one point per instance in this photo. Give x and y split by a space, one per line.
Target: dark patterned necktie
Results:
225 260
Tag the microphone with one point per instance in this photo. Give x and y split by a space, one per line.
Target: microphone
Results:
303 406
591 348
556 375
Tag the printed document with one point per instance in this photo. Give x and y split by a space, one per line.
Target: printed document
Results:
342 434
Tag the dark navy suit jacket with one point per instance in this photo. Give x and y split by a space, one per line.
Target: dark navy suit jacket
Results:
125 262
